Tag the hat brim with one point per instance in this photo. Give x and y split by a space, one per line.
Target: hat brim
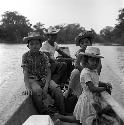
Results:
52 33
26 39
91 55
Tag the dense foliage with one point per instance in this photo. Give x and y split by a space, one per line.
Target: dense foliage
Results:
115 34
14 27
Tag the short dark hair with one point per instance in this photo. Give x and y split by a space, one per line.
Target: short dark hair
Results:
37 39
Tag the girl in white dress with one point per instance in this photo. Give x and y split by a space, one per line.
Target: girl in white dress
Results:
89 79
84 112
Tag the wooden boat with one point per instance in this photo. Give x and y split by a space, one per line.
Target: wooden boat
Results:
25 111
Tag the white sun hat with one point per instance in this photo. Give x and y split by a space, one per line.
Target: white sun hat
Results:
92 52
52 30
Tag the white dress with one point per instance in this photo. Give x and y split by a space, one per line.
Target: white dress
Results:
84 110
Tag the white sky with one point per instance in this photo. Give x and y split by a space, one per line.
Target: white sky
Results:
94 14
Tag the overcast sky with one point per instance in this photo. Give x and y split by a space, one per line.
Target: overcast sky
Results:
94 14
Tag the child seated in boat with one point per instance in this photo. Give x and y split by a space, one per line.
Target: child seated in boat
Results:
90 101
37 75
83 40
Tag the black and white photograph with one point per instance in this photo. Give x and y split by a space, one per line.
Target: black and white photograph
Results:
62 62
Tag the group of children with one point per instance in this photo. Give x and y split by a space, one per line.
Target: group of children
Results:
84 80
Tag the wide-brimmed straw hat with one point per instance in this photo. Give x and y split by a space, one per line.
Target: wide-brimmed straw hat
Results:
32 35
51 31
92 52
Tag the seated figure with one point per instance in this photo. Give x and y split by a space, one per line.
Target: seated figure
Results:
58 68
37 75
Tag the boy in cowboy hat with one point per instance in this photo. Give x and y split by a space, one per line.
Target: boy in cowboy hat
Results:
58 69
37 74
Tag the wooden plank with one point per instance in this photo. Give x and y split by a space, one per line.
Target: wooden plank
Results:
114 104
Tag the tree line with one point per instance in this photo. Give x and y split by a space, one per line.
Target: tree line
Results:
13 27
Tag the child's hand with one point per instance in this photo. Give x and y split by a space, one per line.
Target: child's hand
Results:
108 88
109 85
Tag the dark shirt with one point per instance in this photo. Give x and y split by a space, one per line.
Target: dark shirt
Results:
37 64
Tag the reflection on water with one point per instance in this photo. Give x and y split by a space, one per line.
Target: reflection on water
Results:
10 59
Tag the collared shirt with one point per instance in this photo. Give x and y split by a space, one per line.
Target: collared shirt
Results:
36 63
46 47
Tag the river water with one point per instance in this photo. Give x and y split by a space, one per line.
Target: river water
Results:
10 59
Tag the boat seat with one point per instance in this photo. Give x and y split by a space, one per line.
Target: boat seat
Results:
39 120
44 120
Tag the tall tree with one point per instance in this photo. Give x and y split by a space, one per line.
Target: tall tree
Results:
68 32
15 26
118 32
106 33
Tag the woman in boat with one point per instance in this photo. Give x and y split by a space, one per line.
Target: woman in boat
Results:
83 40
90 103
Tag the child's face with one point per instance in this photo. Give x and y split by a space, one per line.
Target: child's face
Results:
85 42
34 45
93 63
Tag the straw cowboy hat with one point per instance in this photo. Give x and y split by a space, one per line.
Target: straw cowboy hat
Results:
83 35
32 35
51 31
92 52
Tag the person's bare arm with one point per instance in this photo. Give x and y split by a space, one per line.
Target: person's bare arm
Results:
78 62
94 88
66 118
26 79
